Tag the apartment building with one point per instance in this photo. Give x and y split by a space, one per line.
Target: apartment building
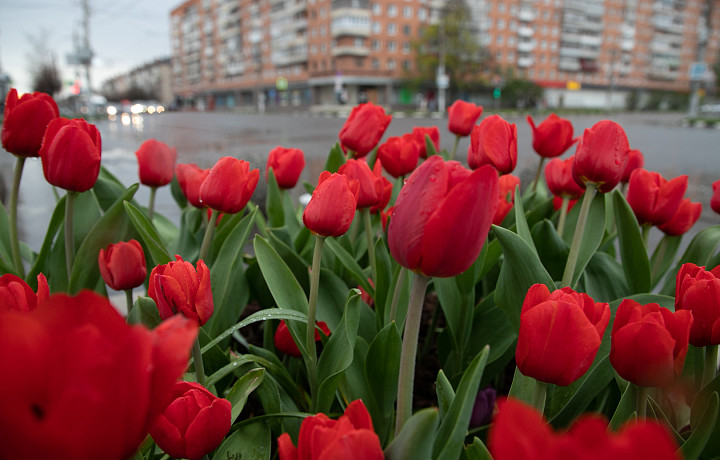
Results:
229 53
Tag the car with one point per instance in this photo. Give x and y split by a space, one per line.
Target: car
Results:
710 108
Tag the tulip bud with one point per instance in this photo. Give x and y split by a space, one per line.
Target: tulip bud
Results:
287 164
493 142
285 343
190 178
177 287
332 206
70 154
420 132
370 186
698 290
25 120
552 137
601 156
506 200
653 199
156 163
635 160
16 295
399 155
687 214
715 200
559 178
462 116
229 185
363 128
122 265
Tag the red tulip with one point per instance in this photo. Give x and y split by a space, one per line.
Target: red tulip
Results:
715 200
462 116
70 154
85 385
635 160
349 437
698 290
399 155
332 206
420 132
442 217
385 217
177 287
520 432
387 189
190 177
16 295
122 265
229 185
363 128
557 203
287 164
25 120
506 199
552 137
687 214
649 343
653 199
601 156
560 334
559 178
370 187
193 424
493 142
156 163
285 343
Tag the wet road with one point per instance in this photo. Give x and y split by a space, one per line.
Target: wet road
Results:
202 138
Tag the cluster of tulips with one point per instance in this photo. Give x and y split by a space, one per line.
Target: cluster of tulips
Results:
558 333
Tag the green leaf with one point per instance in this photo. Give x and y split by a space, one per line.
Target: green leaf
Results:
477 451
703 429
632 247
144 312
521 225
604 278
552 250
295 263
42 260
242 388
520 270
664 256
382 368
456 307
522 387
249 442
274 202
454 426
108 188
5 253
415 440
429 146
156 248
335 159
445 394
592 236
351 265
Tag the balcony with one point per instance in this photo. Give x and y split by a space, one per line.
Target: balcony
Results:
525 61
627 45
283 58
526 15
525 31
350 50
526 46
350 21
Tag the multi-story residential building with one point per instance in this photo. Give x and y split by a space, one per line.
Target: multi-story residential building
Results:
152 79
301 52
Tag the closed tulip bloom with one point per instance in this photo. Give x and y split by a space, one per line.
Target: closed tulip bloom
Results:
715 200
122 265
399 155
363 128
193 424
698 290
493 142
687 214
560 334
462 116
287 165
85 384
321 438
70 154
190 177
559 178
332 206
483 407
156 163
387 189
552 137
370 187
649 343
601 156
442 217
653 199
506 200
17 295
25 120
229 185
557 203
177 287
635 160
285 343
420 132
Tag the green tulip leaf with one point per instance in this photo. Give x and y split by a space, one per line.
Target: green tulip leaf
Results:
664 256
332 294
5 254
107 188
382 368
351 265
604 278
703 429
242 388
335 159
592 236
274 202
249 442
490 326
551 248
477 451
456 307
224 228
295 263
700 251
145 312
42 261
190 235
445 394
521 225
177 193
657 413
454 426
522 387
429 146
632 247
626 407
383 281
415 440
157 251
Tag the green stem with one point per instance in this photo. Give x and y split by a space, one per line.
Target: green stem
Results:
563 216
539 395
69 240
659 258
312 310
408 353
711 359
455 145
205 247
14 240
151 205
577 236
354 231
642 395
396 295
129 299
646 233
198 362
370 242
537 174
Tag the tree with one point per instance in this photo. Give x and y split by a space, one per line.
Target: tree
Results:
44 71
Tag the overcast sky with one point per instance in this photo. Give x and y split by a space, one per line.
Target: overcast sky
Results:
123 34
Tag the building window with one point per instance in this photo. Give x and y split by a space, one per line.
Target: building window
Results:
407 11
376 45
500 40
406 48
501 7
499 55
375 63
359 41
406 64
511 40
392 11
391 64
323 31
513 26
501 24
407 30
377 9
510 56
422 14
391 46
391 28
359 62
376 27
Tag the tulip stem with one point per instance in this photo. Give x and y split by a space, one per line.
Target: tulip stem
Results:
539 395
396 295
205 247
537 174
14 240
662 248
408 353
567 278
198 362
370 242
642 395
646 233
563 216
454 149
151 204
69 240
312 310
711 364
129 300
